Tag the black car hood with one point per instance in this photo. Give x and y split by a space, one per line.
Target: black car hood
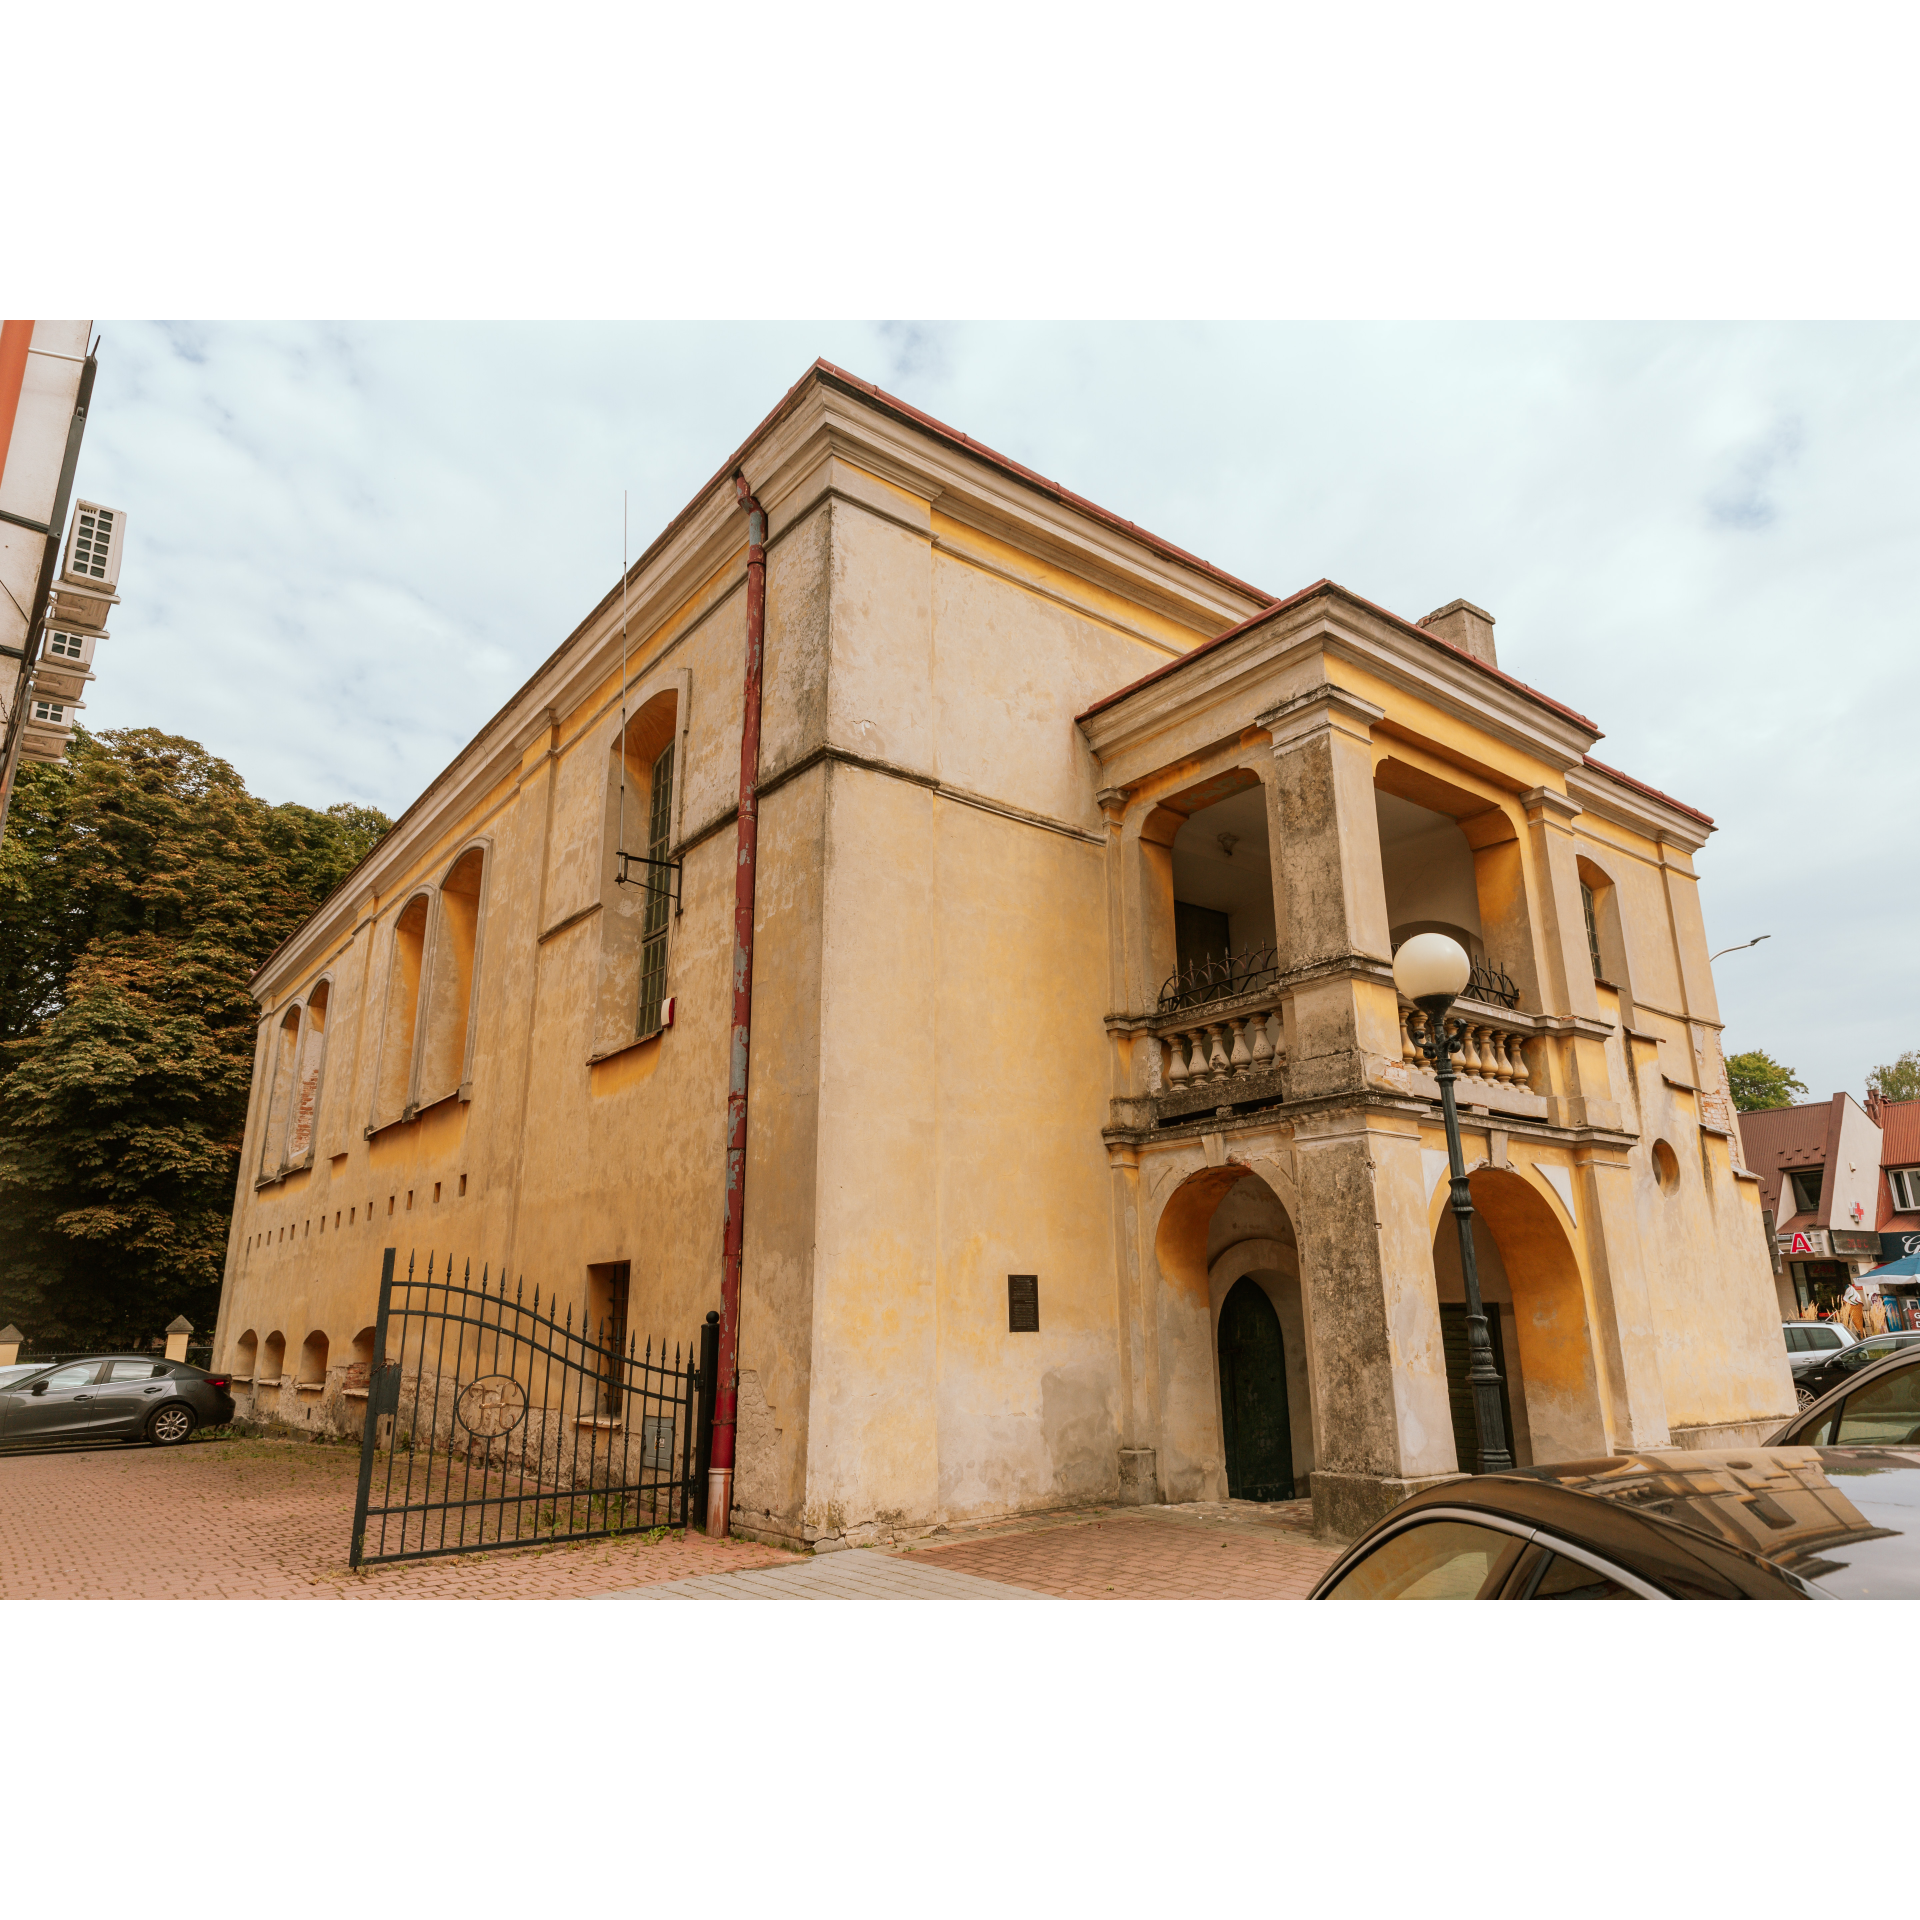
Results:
1846 1518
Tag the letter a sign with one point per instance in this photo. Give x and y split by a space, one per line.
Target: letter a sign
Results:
1801 1244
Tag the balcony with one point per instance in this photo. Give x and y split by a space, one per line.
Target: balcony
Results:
1494 1072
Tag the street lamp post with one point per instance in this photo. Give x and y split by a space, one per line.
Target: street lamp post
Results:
1431 970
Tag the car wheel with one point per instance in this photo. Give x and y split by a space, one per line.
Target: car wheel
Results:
170 1426
1805 1396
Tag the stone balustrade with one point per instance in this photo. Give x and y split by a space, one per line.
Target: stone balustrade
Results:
1492 1066
1227 1051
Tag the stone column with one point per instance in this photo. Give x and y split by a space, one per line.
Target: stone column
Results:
178 1331
1342 1030
10 1339
1381 1425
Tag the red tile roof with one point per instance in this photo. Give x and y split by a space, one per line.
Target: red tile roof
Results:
1654 793
1333 589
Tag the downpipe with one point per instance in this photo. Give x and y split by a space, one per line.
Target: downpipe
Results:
746 850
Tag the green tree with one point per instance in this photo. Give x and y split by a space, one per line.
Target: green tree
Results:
141 885
1759 1081
1899 1081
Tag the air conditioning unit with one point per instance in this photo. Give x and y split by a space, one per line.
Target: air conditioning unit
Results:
70 649
59 679
94 542
48 729
91 571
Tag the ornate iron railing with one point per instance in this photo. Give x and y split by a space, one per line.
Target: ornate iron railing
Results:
1222 976
1491 985
494 1421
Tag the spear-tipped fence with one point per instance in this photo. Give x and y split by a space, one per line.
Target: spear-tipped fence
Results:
495 1420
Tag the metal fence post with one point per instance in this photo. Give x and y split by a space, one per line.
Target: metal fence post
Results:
703 1420
376 1382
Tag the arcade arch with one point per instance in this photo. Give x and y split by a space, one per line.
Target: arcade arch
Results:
1530 1283
1236 1395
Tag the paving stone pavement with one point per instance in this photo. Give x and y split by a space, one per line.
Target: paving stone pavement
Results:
264 1519
271 1520
864 1574
1199 1552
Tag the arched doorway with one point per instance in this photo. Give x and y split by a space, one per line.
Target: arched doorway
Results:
1254 1418
1225 1235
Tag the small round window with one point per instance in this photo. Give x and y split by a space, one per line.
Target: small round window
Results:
1666 1167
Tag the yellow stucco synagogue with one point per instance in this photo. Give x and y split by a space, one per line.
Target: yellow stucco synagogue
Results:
1082 1103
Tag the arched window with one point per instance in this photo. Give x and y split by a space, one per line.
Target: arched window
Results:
360 1364
636 893
312 1055
446 1048
283 1053
393 1082
245 1352
313 1360
273 1359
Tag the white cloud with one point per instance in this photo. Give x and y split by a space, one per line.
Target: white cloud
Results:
347 545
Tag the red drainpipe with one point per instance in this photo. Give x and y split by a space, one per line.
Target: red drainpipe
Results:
746 847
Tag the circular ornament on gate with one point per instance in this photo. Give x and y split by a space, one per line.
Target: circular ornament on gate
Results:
494 1404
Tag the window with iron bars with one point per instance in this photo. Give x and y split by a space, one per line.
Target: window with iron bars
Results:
653 940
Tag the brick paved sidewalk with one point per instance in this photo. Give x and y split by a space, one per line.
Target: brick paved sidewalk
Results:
271 1520
864 1574
1149 1553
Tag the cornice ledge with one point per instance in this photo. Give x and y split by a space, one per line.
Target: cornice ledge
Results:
1628 807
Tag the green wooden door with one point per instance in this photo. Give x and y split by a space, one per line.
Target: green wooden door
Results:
1253 1397
1453 1339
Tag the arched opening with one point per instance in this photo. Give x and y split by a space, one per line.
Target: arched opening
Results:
394 1078
1210 849
246 1351
445 1049
1428 868
360 1361
313 1360
273 1360
636 910
1236 1389
1537 1319
1451 863
282 1060
306 1098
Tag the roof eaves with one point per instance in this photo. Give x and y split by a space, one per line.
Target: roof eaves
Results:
1652 793
1332 588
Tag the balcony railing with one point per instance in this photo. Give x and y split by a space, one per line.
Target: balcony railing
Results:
1219 976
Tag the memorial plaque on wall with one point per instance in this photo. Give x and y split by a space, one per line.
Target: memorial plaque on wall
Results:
1023 1303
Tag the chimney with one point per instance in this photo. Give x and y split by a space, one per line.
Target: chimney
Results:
1470 628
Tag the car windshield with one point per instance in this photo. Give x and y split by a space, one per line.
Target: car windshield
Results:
8 1375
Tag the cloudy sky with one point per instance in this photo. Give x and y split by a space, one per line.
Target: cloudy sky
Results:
348 544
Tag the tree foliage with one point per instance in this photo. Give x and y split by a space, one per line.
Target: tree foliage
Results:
1900 1080
141 885
1759 1081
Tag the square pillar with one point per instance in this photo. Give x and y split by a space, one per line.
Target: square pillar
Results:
1382 1429
1633 1395
1330 896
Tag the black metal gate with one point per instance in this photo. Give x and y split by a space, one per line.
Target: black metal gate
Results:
492 1423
